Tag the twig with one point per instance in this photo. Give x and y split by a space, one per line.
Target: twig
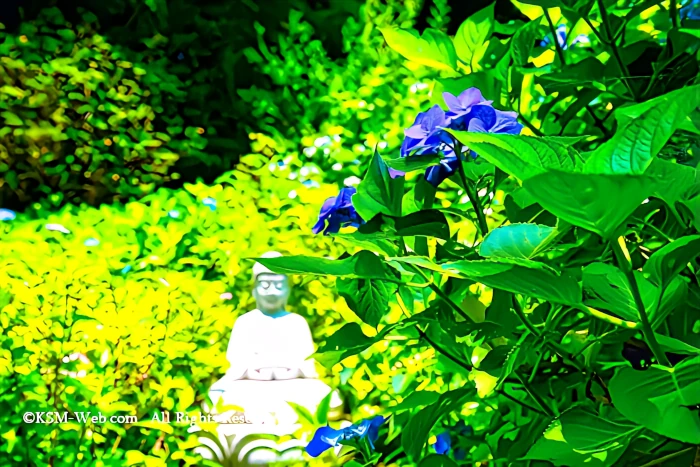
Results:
625 265
610 41
473 198
555 38
661 460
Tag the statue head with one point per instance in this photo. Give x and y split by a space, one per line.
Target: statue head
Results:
271 290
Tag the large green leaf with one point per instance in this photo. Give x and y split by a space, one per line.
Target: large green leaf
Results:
597 202
524 277
554 448
672 181
473 33
588 432
368 298
417 431
411 163
522 42
363 264
345 342
610 290
433 49
378 193
661 399
524 156
427 223
670 260
517 241
643 130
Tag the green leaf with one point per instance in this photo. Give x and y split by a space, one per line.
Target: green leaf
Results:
522 42
417 399
378 192
524 277
672 181
437 460
427 223
643 130
524 156
584 200
611 291
588 432
517 241
412 163
368 298
670 260
473 33
416 432
433 49
363 264
345 342
661 399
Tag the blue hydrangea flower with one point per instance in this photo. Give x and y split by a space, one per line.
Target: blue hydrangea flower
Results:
443 443
7 215
436 174
461 105
327 437
426 135
337 212
468 111
691 10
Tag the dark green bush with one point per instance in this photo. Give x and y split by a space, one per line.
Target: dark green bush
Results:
86 118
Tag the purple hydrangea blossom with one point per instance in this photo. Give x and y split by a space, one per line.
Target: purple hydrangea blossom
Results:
427 134
327 437
468 111
338 212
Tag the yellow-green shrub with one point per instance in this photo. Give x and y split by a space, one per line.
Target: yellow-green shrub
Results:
139 322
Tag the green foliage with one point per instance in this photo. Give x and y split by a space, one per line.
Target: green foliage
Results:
546 296
137 319
83 117
559 303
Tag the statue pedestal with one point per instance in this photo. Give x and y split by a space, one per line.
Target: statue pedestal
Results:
265 416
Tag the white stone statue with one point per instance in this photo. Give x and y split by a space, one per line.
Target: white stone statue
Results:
269 343
269 352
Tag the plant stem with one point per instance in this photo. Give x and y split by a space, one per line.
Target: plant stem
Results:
625 265
673 12
555 38
473 199
439 348
519 402
556 348
439 292
610 40
661 460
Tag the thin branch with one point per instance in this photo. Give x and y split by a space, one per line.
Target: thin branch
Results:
625 265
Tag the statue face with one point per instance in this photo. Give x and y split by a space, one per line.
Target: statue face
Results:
271 292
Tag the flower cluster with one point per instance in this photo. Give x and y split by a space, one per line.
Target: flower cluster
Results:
338 212
467 112
327 437
429 136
